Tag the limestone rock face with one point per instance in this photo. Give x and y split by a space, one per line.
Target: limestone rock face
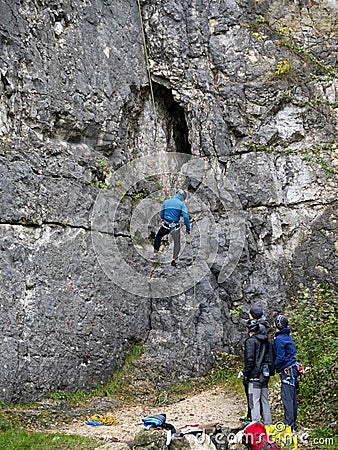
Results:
149 439
241 112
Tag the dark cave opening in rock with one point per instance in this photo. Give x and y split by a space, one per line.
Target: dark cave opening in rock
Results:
177 128
155 123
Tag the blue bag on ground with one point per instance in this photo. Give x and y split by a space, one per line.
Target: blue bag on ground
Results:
155 421
158 421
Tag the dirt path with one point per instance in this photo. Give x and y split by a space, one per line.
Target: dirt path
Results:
212 406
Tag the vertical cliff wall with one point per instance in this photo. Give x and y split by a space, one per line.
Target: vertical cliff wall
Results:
242 112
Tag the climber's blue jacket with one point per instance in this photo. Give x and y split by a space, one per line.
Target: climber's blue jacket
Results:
173 208
285 350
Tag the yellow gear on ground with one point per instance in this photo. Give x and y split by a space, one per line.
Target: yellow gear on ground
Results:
104 419
283 436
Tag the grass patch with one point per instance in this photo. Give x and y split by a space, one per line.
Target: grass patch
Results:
120 383
324 438
187 387
16 439
226 371
224 374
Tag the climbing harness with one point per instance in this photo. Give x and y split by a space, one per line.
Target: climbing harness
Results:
171 225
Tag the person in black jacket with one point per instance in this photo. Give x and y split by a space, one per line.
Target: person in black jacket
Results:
256 312
256 356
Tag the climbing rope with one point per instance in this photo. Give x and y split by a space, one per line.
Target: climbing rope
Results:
194 275
164 183
103 419
165 189
192 264
148 67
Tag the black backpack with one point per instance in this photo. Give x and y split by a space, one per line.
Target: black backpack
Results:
271 356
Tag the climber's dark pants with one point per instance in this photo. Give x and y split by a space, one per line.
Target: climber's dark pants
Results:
289 399
175 233
246 389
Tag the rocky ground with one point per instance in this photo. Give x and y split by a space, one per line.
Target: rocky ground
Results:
215 405
211 406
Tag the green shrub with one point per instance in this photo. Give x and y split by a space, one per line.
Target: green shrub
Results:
314 321
102 175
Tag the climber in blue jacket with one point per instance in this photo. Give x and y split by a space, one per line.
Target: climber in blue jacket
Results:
285 365
171 212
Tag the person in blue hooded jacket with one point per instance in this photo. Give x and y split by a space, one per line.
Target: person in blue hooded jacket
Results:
285 365
171 212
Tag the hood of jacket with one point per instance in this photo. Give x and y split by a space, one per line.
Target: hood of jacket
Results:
263 325
285 350
285 330
261 336
263 321
173 208
179 196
